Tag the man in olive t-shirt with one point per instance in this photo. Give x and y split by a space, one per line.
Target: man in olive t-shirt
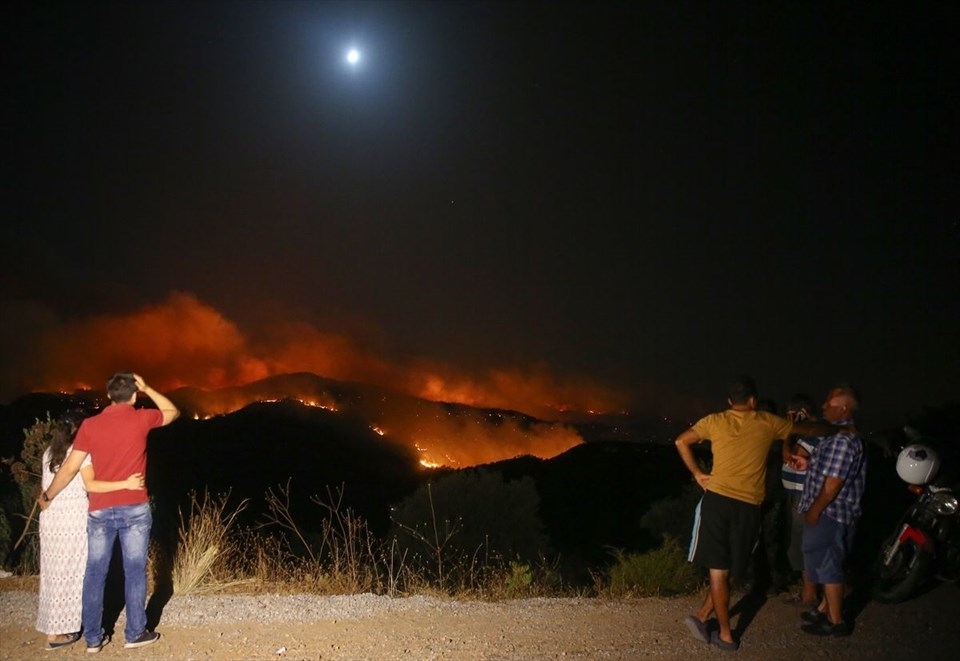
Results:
727 522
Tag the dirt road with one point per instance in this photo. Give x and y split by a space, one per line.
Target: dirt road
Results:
240 627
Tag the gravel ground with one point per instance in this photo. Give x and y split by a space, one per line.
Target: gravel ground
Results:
366 626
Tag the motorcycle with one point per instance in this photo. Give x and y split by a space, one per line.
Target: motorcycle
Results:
926 544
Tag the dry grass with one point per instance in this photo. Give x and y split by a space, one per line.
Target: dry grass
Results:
204 541
20 583
344 557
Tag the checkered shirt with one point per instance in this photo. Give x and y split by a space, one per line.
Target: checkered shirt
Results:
840 456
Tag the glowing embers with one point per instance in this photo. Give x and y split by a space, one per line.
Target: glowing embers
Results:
304 402
428 462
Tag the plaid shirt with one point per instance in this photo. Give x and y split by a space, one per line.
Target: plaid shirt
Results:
840 456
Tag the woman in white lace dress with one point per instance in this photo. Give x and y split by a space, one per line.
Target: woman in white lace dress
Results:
63 538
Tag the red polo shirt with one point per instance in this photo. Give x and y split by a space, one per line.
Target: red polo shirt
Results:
116 440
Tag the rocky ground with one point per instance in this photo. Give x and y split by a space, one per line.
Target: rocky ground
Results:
238 627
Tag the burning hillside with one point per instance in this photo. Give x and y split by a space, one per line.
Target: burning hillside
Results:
441 433
183 345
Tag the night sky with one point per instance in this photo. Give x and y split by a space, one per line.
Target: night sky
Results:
617 206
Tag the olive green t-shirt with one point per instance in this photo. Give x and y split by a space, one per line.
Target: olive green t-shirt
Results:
740 441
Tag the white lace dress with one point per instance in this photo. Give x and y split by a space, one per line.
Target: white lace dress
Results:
63 555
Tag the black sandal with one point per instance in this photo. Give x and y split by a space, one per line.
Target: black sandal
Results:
71 639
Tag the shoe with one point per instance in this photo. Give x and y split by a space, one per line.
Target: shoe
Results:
717 641
698 629
70 640
95 649
146 638
827 628
812 615
797 600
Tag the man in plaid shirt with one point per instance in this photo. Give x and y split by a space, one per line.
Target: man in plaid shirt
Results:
836 475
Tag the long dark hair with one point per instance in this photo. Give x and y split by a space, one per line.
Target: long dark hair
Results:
61 437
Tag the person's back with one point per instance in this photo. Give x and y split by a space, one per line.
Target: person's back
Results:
740 441
116 440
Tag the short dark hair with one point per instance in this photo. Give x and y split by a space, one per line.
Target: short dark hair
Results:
801 401
121 387
741 390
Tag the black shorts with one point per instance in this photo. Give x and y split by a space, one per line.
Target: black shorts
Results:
725 533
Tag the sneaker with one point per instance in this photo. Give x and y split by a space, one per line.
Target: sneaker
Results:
146 638
95 649
827 628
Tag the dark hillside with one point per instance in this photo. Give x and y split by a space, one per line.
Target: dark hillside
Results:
593 495
265 445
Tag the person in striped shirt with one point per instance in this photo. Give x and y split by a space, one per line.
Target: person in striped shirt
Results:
799 408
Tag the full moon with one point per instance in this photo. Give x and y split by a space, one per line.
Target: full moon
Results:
353 56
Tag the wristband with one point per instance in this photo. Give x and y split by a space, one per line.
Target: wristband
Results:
45 497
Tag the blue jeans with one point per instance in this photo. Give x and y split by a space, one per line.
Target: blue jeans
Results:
131 523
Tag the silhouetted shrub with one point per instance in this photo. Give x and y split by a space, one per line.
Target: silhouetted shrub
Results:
673 517
473 512
661 572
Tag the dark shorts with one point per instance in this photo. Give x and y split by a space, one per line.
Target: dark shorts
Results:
825 547
725 533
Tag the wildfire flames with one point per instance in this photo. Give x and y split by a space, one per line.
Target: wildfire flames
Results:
183 342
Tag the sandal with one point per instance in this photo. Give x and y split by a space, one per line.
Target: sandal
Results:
699 629
797 600
717 641
812 615
70 639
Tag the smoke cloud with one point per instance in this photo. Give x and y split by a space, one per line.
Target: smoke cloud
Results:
184 341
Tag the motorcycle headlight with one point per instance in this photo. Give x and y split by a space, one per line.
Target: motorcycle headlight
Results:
944 503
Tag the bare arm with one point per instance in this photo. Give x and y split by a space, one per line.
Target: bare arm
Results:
134 483
684 443
831 487
167 408
68 470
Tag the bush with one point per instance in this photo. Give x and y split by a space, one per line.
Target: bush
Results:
26 472
473 510
661 572
673 517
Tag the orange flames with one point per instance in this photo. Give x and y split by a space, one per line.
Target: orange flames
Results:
183 341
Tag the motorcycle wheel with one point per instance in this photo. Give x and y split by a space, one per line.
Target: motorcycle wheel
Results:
904 575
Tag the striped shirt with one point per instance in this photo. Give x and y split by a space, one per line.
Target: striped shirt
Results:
840 456
791 478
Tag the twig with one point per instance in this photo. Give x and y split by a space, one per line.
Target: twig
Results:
26 527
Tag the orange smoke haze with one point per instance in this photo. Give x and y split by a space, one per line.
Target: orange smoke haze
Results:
183 341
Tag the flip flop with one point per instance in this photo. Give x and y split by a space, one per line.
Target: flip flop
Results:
71 639
717 641
697 628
